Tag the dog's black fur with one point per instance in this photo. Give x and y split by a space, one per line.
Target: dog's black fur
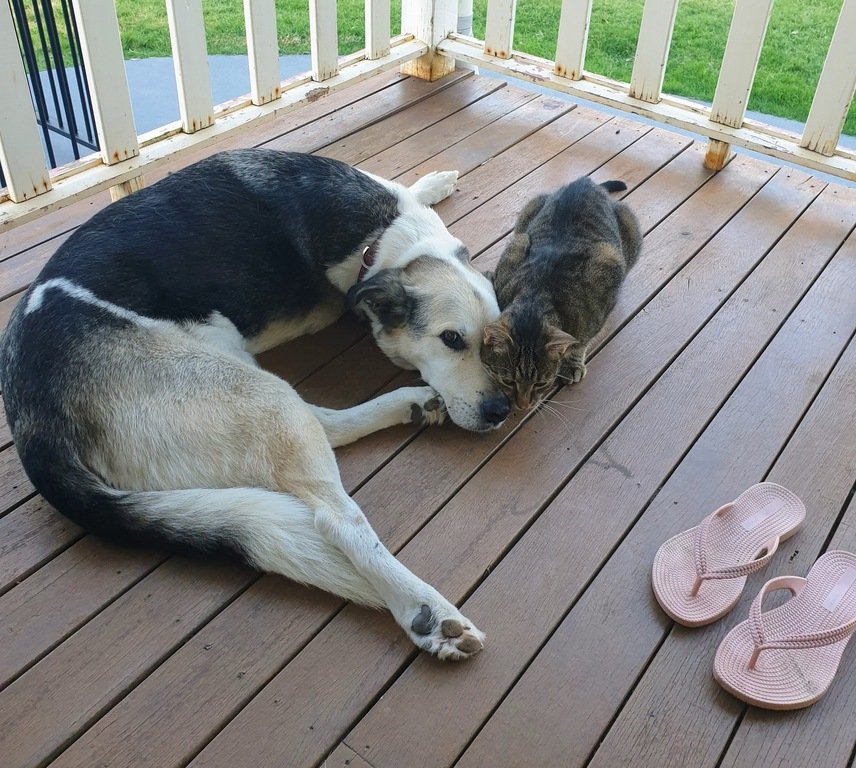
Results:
182 239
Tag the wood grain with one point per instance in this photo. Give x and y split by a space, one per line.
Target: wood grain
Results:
453 551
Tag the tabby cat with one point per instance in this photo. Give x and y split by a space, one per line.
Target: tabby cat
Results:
556 282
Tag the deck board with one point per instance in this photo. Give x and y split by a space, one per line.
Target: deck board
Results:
730 358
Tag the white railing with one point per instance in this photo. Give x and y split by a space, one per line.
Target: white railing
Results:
428 48
724 123
124 157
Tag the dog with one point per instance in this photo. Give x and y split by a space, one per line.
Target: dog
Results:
138 409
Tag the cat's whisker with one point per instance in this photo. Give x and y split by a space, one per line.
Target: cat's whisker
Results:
545 407
570 405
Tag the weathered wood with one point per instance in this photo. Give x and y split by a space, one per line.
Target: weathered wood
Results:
190 59
456 558
835 90
430 21
591 513
359 146
825 729
14 484
670 110
652 49
446 132
61 694
21 156
377 28
739 63
499 28
614 622
323 39
503 170
742 51
263 50
345 757
823 486
151 156
98 29
572 39
488 142
51 224
45 609
29 536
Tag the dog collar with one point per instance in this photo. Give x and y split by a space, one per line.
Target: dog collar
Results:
367 259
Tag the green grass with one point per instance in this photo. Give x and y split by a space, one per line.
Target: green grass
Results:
791 60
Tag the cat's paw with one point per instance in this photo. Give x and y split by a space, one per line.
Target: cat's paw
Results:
574 372
434 187
444 632
429 409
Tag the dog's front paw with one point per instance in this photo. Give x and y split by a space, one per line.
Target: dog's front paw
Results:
435 186
443 631
431 410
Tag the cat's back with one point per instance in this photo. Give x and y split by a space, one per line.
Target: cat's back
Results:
580 209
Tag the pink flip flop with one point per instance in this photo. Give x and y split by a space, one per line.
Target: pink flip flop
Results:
786 658
699 574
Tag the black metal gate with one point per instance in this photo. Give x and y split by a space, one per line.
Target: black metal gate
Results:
57 78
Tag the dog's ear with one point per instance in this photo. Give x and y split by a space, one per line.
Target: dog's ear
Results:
382 297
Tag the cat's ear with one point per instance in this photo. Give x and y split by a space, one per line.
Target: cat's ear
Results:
382 298
558 341
497 332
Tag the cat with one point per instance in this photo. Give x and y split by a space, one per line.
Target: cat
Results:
556 282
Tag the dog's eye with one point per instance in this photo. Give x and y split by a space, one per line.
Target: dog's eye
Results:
453 340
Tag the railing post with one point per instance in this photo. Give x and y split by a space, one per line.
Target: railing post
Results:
108 84
323 39
739 63
21 155
652 49
430 21
573 36
190 60
262 50
377 28
499 28
836 87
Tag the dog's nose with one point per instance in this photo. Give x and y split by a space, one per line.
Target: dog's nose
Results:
495 409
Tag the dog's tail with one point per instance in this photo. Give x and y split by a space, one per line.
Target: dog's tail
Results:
270 531
614 185
238 521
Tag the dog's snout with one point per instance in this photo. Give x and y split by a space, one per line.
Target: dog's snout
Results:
495 409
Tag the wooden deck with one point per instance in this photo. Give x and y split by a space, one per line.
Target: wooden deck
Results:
730 359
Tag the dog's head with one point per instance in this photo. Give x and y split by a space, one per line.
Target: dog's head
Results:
430 315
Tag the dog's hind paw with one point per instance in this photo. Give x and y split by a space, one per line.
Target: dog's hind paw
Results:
430 411
435 186
445 633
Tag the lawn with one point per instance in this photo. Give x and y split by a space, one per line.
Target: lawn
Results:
791 60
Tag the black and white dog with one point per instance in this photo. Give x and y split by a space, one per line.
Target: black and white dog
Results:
137 407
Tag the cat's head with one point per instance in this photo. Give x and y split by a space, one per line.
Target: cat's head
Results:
522 352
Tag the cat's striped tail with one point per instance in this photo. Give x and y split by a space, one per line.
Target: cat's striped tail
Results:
614 186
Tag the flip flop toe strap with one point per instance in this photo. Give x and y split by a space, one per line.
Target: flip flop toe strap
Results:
793 584
700 536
